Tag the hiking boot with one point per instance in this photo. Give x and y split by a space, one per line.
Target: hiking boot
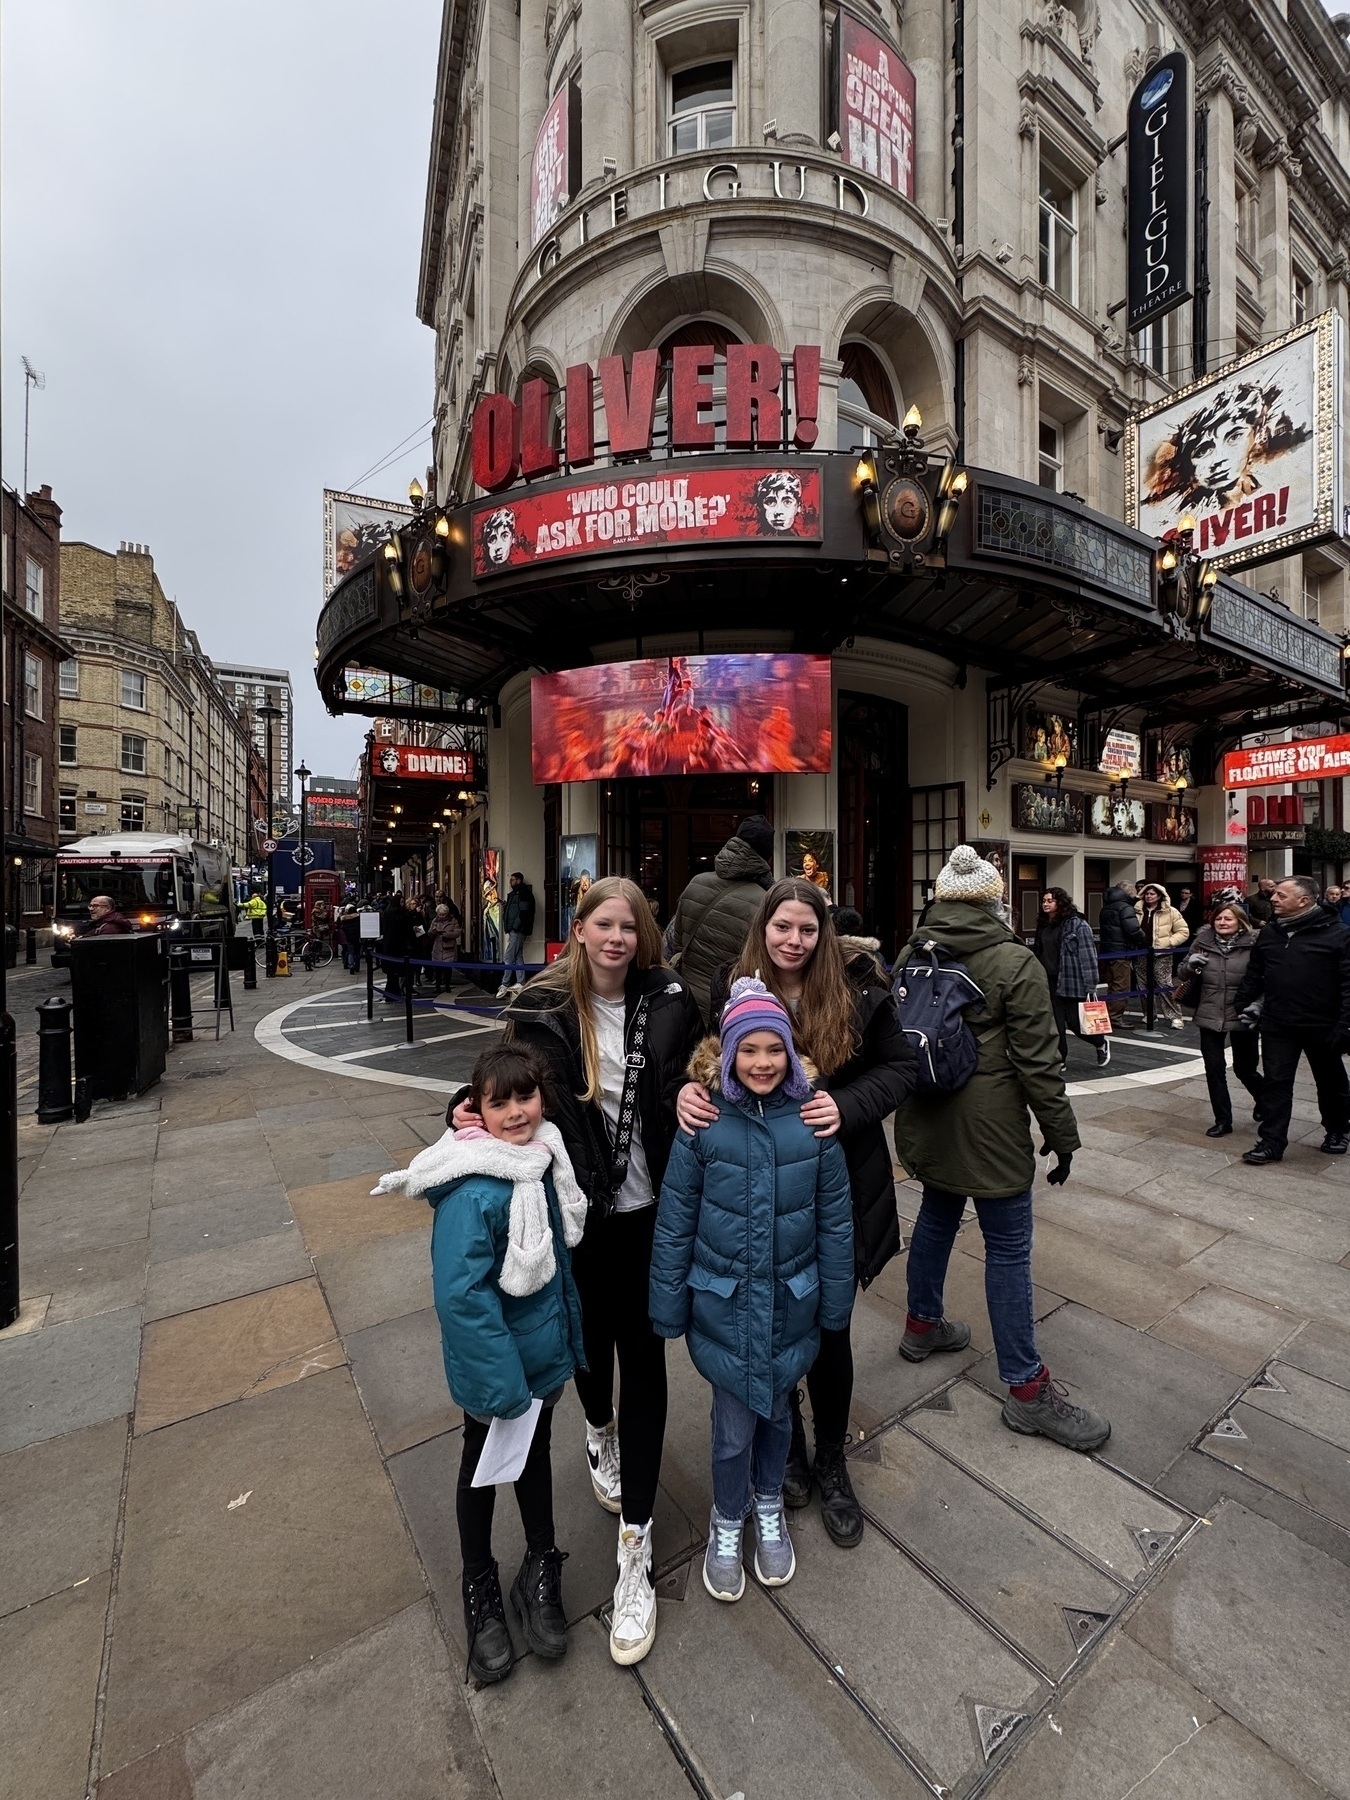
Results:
602 1458
490 1653
536 1594
797 1474
775 1563
1260 1154
1335 1143
1049 1414
632 1630
838 1503
946 1334
723 1570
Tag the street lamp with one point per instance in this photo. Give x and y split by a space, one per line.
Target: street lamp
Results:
303 773
267 713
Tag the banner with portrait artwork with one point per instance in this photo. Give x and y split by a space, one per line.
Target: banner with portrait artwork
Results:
1252 455
809 856
354 527
1048 736
1222 866
1169 824
1111 817
578 866
1040 806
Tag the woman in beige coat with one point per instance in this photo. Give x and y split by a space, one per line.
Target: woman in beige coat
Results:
1164 928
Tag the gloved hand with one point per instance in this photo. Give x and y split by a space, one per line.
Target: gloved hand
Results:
1060 1173
1248 1019
1340 1040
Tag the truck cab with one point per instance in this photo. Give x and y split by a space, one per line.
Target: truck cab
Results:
168 884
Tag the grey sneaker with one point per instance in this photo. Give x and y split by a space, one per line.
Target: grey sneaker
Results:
775 1563
1051 1415
947 1334
723 1570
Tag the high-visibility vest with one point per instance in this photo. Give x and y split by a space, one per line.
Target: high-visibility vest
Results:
255 907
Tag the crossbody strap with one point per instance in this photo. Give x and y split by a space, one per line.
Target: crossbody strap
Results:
634 1063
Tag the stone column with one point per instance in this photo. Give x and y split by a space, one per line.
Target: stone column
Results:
533 93
606 88
1213 91
793 54
1272 244
924 42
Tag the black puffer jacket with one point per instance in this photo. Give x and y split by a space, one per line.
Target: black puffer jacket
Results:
1303 970
714 914
673 1030
867 1090
1119 925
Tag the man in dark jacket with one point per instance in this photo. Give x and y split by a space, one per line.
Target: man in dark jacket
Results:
104 919
714 912
1258 905
1297 987
398 938
517 923
1120 930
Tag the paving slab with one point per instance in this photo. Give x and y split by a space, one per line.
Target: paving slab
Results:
49 1665
1292 1461
1322 1350
1314 1405
884 1384
381 1279
64 1377
198 1360
1269 1217
226 1140
1199 1481
603 1739
400 1375
215 1602
1136 1290
178 1183
1088 1504
757 1712
187 1282
336 1214
49 1193
1280 1277
84 1282
60 1511
98 1145
1133 1726
191 1226
1010 1570
1233 1330
1260 1622
301 1112
1297 1181
311 1168
68 1230
964 1297
1125 1225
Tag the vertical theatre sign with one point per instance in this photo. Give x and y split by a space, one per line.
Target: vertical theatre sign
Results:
876 106
554 166
1159 132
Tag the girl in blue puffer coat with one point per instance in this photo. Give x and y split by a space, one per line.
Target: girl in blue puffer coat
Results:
753 1255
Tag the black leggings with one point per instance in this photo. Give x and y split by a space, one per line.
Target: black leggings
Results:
534 1495
612 1268
830 1385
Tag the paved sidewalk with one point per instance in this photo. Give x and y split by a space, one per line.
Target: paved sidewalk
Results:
227 1457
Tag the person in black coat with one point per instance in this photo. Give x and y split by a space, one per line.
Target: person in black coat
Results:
1297 987
1119 929
518 924
398 938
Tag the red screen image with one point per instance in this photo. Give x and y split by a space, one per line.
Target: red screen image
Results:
684 715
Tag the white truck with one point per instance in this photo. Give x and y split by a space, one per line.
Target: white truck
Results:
158 883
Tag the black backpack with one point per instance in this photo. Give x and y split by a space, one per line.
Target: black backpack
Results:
933 992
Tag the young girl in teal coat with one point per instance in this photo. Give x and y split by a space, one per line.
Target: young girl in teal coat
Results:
508 1210
753 1255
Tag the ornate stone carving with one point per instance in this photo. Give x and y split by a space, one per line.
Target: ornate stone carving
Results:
1279 154
1026 371
1244 136
1134 68
1221 77
1028 124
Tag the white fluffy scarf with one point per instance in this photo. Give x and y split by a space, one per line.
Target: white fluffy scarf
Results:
529 1263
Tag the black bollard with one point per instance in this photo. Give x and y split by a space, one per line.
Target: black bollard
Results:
250 965
30 945
83 1101
180 997
370 981
54 1103
408 996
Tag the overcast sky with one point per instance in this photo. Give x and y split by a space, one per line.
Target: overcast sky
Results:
211 223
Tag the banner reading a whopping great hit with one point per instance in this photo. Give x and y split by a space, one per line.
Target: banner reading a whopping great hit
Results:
876 106
1253 456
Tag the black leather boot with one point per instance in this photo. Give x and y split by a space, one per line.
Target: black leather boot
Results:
797 1474
490 1653
838 1503
536 1594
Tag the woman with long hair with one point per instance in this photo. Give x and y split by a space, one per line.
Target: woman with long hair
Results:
1164 928
615 1028
1214 969
1067 951
844 1023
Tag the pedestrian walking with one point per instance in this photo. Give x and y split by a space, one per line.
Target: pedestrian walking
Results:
1214 969
349 934
976 1143
844 1022
398 939
1120 930
443 945
1297 990
1259 907
614 1029
713 913
753 1255
518 924
1067 951
1165 929
507 1212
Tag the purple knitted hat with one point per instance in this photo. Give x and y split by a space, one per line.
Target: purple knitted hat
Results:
753 1008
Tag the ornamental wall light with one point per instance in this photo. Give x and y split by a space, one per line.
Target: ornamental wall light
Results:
1186 582
1056 774
909 499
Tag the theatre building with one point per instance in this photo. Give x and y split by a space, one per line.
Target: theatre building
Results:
912 423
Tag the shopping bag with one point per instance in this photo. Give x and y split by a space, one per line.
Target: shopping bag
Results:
1093 1018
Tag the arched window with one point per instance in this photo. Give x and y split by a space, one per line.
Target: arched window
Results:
554 409
868 404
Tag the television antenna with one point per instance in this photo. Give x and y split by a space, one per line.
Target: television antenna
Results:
32 378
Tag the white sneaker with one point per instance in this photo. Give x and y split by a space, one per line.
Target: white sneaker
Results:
602 1457
502 992
632 1630
1178 1024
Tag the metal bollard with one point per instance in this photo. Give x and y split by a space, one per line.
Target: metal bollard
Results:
180 998
54 1102
30 945
250 965
408 996
370 982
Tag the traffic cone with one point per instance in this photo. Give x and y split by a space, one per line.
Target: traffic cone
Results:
283 961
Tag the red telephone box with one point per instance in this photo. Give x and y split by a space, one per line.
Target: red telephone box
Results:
323 884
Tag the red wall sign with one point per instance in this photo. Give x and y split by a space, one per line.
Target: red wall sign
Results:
1222 866
876 107
589 518
402 762
1270 764
549 187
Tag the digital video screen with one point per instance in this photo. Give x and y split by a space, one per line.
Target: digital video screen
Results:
684 715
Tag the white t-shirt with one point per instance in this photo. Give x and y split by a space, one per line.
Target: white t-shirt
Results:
608 1016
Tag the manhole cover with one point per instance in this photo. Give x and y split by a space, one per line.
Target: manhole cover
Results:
995 1727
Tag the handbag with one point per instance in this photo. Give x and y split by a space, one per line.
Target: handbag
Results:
1094 1019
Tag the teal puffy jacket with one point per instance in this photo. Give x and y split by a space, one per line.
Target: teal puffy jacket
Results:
754 1248
501 1350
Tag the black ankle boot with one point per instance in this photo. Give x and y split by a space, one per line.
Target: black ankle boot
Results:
536 1594
797 1474
490 1653
838 1503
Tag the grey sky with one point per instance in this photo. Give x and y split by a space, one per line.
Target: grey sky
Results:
212 218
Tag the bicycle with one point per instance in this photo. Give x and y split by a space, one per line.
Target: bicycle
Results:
316 952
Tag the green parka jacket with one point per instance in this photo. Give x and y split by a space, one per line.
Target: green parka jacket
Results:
978 1140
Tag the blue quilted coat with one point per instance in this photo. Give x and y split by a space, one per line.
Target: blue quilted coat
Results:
754 1248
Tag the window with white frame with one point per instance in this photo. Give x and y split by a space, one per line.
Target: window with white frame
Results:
1301 304
133 754
32 686
1059 233
70 679
1152 346
69 752
133 812
32 783
66 811
1312 596
168 763
32 586
701 106
868 407
133 689
1050 461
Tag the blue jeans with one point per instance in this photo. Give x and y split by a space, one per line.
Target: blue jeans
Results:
514 959
749 1454
1006 1228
